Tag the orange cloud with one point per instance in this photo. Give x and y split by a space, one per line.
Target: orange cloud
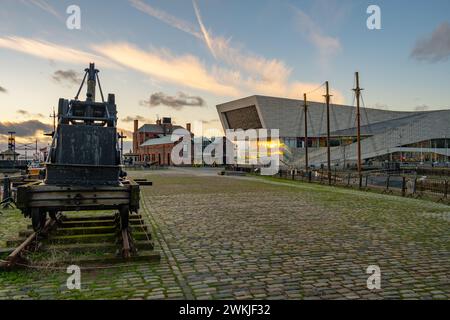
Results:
186 70
48 50
249 73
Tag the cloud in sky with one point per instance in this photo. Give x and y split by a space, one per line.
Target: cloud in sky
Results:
131 119
166 18
435 47
176 102
247 73
239 73
205 33
66 76
327 46
25 128
186 70
3 90
43 5
220 47
25 113
51 51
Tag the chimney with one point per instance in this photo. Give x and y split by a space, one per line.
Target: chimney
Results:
135 136
188 127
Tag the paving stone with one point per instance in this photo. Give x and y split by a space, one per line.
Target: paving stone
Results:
222 238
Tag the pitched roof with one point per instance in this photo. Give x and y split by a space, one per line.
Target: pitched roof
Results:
8 152
158 141
158 129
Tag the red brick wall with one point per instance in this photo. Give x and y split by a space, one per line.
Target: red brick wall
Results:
159 154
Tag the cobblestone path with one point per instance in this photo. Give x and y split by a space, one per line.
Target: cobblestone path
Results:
251 238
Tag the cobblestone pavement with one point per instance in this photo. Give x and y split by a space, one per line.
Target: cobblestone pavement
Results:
255 238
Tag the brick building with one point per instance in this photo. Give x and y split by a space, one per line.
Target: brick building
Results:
152 143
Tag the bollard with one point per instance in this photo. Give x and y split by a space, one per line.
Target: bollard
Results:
415 186
446 189
403 186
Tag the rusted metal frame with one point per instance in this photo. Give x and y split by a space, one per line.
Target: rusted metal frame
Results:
126 249
16 255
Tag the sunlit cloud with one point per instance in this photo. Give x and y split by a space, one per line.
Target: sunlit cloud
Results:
51 51
26 128
26 114
247 72
186 70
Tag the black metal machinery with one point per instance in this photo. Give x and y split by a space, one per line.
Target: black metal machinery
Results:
83 169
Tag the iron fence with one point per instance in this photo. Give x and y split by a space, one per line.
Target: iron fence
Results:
403 184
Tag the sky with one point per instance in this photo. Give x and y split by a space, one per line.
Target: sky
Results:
181 58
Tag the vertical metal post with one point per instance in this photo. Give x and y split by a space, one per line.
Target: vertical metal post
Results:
121 137
403 186
327 98
54 120
305 109
358 120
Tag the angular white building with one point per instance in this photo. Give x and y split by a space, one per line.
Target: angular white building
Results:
386 135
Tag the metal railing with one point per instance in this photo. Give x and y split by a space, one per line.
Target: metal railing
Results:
404 183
